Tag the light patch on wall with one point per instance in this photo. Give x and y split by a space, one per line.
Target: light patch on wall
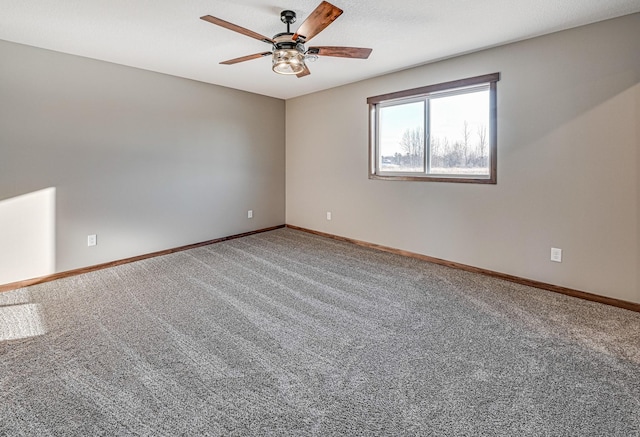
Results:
27 236
20 321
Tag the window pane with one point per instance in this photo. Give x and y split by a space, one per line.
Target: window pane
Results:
459 140
401 140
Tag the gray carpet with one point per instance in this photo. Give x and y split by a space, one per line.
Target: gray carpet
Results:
286 333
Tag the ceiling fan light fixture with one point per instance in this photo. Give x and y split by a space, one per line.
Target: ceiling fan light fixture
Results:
288 61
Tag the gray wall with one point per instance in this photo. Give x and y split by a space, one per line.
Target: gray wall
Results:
568 164
144 160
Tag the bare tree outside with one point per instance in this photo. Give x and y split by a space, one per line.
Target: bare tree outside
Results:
466 143
412 144
482 144
468 155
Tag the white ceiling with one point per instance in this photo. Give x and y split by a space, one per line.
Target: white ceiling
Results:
168 36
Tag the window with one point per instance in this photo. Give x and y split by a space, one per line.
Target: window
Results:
444 132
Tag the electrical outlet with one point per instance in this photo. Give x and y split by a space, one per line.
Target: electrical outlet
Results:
556 255
250 213
92 240
328 215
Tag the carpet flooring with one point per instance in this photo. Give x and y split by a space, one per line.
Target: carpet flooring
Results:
290 334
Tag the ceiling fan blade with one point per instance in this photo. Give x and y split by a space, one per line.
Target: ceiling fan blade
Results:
341 52
317 21
236 28
304 72
246 58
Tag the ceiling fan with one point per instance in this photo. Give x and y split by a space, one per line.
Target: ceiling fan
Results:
288 50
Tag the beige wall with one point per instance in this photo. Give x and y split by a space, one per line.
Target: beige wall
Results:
144 160
568 164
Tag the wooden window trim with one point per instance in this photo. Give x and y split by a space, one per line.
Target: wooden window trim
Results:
425 91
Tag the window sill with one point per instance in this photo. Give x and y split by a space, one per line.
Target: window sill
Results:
436 178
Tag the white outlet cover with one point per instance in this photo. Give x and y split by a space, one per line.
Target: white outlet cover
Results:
328 215
250 213
92 240
556 255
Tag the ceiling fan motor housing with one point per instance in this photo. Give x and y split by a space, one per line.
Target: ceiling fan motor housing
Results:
284 41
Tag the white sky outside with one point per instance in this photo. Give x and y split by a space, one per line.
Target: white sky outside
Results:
448 115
